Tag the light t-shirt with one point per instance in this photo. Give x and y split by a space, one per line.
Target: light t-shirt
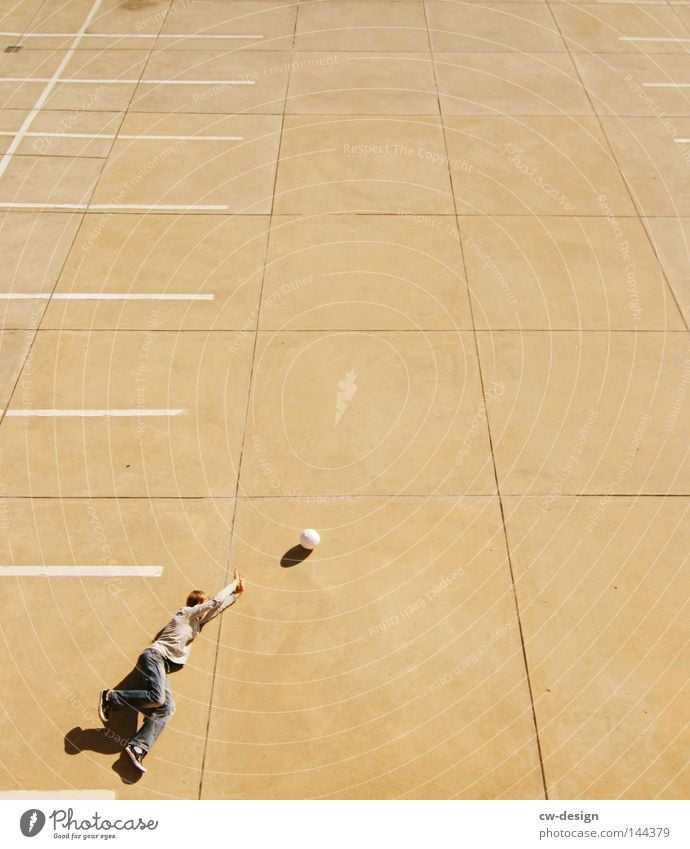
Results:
175 640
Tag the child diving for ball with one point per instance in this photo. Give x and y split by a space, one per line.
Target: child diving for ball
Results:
168 652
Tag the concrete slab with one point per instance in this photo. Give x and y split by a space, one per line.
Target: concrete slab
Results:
595 413
366 412
273 21
38 181
220 258
617 83
260 82
68 133
492 27
35 246
601 28
140 370
176 171
509 84
653 164
362 84
344 25
387 664
364 272
562 273
362 164
670 239
85 634
14 349
533 166
604 615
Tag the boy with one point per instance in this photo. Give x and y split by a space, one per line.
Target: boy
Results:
169 650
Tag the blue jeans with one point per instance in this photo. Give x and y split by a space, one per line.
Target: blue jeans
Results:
155 702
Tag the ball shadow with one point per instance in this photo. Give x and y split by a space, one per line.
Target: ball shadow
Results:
297 554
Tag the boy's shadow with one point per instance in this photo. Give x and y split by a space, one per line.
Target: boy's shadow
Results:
112 738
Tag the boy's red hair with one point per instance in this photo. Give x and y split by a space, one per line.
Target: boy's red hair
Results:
196 597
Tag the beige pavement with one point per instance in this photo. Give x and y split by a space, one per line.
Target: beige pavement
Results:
411 273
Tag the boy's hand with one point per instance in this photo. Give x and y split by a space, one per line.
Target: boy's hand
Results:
240 582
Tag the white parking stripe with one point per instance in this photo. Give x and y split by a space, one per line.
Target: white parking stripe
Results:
77 81
88 414
28 121
127 35
102 296
672 39
62 135
67 571
90 207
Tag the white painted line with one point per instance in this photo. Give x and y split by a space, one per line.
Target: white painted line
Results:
88 414
168 207
672 39
57 794
81 571
101 296
682 141
77 81
666 85
28 121
124 35
182 138
208 35
62 135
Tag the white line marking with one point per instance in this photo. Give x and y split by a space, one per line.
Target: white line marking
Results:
101 296
62 135
673 39
183 138
208 35
77 81
81 571
57 794
170 207
682 141
88 414
28 121
666 85
122 35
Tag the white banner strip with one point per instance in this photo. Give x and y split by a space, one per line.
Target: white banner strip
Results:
344 824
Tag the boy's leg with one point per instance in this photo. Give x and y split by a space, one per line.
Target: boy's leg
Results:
151 667
155 721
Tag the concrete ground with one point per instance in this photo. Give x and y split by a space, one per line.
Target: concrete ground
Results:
414 274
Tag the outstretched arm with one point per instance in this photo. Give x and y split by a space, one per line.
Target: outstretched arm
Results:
220 601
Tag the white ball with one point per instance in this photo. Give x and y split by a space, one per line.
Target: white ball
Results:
309 538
